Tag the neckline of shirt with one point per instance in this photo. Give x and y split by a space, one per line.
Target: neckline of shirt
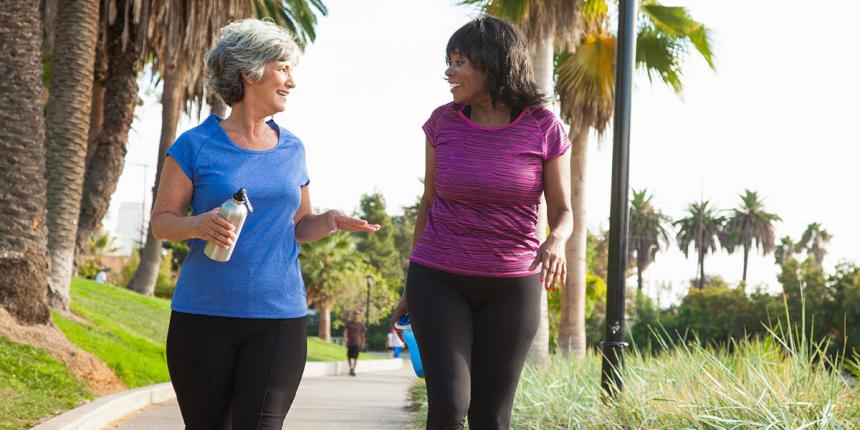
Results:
459 109
216 123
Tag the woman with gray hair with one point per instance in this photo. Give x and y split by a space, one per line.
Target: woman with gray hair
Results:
236 346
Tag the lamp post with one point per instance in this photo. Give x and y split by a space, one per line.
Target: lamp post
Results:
613 345
143 227
367 306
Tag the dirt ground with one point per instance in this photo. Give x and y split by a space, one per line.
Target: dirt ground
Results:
85 366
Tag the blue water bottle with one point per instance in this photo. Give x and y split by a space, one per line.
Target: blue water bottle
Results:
406 326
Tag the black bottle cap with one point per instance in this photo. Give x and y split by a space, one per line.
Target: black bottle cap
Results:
240 195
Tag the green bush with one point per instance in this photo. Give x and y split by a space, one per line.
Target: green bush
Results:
595 299
166 282
715 314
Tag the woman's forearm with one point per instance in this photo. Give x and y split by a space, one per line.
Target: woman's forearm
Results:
172 227
560 223
421 220
313 227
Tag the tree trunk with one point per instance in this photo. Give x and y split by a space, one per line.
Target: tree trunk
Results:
97 100
67 117
541 53
638 274
325 321
746 262
571 332
701 270
50 12
23 198
146 274
109 155
97 103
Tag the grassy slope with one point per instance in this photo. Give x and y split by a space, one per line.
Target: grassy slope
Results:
33 385
128 332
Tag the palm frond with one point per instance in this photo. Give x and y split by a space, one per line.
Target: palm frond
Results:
660 55
648 229
586 83
539 18
750 225
677 23
702 227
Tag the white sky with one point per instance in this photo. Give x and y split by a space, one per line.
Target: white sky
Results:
775 117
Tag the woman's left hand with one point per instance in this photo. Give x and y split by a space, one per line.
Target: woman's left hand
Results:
553 262
338 221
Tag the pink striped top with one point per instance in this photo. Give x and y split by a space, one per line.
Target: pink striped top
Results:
488 185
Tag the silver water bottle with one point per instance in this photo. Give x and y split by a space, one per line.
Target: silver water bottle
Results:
233 210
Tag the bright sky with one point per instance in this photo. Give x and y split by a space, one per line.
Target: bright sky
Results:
775 117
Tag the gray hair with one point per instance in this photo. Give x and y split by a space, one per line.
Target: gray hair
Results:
245 47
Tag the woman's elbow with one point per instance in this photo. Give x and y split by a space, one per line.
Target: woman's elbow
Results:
426 202
155 229
159 228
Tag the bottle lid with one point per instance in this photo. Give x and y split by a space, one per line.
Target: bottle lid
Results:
241 196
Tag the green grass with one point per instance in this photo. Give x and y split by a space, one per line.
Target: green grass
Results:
34 385
128 331
320 350
778 382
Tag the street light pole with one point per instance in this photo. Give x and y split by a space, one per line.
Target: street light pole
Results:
367 306
140 243
613 345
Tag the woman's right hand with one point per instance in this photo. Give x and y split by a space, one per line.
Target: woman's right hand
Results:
399 310
212 227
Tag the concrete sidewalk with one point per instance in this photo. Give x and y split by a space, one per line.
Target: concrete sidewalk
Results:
373 400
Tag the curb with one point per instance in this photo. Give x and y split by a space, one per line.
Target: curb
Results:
105 410
102 411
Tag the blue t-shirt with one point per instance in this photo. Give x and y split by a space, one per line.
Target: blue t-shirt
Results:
262 278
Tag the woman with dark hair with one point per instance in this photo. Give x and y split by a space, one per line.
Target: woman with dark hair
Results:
473 288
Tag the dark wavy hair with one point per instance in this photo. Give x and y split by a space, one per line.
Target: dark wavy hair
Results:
498 48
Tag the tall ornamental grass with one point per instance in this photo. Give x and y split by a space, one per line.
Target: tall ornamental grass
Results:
781 381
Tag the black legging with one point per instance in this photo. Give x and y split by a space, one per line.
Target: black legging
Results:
473 334
247 368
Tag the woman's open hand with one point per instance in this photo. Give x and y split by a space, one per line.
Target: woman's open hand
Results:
338 221
553 263
212 227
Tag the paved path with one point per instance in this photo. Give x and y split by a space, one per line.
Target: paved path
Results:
374 400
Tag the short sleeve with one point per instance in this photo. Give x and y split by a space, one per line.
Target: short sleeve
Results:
184 152
304 179
556 142
431 125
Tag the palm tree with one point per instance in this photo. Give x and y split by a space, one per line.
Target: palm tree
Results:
750 225
23 232
702 227
67 117
329 266
814 240
648 232
546 23
586 89
178 49
784 250
106 155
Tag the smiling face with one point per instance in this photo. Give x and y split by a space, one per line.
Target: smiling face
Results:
271 91
468 84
